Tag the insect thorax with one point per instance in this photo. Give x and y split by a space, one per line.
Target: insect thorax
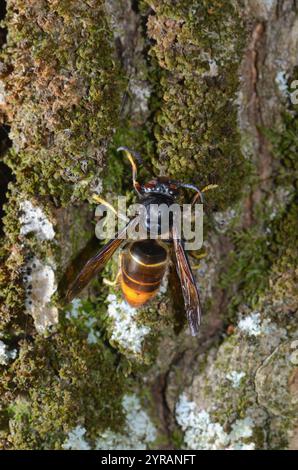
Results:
158 218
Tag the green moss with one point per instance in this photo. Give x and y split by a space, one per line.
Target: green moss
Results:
63 99
64 92
249 267
270 245
256 251
64 116
177 439
12 258
285 147
196 125
58 382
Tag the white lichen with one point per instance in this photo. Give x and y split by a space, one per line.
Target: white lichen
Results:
77 312
241 429
254 325
251 325
141 93
235 378
96 185
76 440
5 354
213 69
40 285
138 435
202 433
281 80
139 430
93 335
126 331
33 220
74 311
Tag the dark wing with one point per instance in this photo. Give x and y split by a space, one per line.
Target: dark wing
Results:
175 294
189 288
95 264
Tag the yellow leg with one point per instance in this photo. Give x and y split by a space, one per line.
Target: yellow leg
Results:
129 155
197 257
196 266
110 283
204 190
209 186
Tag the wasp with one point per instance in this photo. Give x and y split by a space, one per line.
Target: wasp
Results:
143 263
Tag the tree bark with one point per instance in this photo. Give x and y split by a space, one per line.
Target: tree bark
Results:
205 92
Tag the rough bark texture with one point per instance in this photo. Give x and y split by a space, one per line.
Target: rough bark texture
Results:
202 89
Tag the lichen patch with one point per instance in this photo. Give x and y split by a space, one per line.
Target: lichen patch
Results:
139 430
40 284
6 354
203 433
126 331
33 220
76 439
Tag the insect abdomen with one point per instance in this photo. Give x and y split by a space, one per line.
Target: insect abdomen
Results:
143 265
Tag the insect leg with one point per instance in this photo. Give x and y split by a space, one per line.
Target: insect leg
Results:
200 193
209 186
113 283
197 257
130 157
